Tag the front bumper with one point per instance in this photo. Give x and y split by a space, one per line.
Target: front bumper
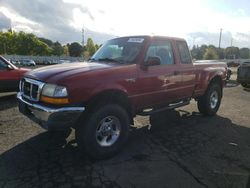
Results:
49 118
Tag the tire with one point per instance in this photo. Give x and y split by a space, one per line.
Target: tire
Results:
104 131
245 85
209 103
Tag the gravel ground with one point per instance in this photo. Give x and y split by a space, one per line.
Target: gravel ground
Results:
182 149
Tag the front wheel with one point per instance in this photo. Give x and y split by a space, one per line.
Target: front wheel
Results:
104 132
209 103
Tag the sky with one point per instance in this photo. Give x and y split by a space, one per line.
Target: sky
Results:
198 21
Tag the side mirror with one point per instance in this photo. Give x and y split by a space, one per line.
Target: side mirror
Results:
10 67
152 61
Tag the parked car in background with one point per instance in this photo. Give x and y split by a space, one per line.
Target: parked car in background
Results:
47 62
15 62
63 61
27 62
10 76
243 74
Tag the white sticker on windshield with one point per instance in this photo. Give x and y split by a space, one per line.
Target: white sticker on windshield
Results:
137 40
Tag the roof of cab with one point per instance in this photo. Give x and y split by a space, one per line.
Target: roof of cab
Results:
152 37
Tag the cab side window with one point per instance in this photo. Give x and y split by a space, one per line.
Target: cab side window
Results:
162 50
184 52
3 65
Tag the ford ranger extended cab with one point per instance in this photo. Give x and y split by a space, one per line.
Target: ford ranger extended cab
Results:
127 76
10 76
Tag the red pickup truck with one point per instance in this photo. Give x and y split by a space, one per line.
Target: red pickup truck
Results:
127 76
10 76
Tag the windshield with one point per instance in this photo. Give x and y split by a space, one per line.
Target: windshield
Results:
6 62
120 50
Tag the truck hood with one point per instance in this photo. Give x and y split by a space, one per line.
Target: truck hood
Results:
64 70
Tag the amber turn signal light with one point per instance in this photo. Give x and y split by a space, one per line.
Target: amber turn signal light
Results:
54 100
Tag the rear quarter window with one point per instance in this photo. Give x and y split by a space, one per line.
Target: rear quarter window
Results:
184 52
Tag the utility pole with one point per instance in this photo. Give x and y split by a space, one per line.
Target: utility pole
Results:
220 37
233 55
83 36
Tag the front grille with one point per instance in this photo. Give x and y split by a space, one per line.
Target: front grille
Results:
31 89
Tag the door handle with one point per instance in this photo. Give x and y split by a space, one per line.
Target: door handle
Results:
132 80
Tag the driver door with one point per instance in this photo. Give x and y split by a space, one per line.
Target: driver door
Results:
159 84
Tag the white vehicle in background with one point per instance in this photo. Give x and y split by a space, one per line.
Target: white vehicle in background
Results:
27 62
15 62
62 61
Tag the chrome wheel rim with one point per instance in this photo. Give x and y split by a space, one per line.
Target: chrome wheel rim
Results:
108 131
214 98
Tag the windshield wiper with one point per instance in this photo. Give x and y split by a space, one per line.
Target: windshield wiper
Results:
107 59
92 59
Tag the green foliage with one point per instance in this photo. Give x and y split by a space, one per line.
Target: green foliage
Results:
75 49
198 52
90 47
65 50
46 41
232 52
228 53
210 54
22 43
245 53
57 49
97 46
220 52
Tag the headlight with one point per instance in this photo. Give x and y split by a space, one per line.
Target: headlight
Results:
52 90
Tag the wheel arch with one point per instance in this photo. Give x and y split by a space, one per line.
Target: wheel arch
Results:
217 79
111 96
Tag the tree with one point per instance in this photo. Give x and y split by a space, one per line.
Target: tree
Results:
57 49
97 46
90 46
65 50
232 52
210 54
244 53
220 52
46 41
75 49
198 52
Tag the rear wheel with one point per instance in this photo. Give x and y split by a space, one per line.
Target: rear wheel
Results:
104 132
209 103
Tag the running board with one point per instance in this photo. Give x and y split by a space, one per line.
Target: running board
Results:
169 107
